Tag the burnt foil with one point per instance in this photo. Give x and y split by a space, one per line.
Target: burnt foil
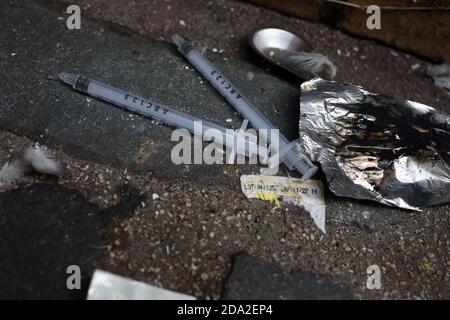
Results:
376 147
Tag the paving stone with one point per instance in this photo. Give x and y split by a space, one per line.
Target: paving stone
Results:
43 230
253 279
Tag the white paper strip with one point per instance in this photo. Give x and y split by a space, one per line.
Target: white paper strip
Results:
307 194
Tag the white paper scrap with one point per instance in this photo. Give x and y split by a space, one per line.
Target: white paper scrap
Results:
307 194
108 286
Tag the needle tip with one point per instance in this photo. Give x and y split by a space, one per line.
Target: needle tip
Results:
178 40
52 77
68 78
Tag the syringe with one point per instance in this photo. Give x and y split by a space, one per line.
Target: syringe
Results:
288 152
239 142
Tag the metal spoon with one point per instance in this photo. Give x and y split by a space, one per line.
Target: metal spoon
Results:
279 46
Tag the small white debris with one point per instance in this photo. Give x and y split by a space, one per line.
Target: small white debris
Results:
214 50
339 52
13 54
183 23
416 66
155 196
11 172
395 54
41 161
34 158
366 214
167 250
229 120
250 76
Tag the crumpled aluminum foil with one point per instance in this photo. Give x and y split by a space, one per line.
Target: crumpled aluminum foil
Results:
376 147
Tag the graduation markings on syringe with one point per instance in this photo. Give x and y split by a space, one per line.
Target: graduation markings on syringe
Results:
146 104
226 84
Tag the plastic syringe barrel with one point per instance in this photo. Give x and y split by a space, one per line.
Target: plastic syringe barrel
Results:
152 109
292 157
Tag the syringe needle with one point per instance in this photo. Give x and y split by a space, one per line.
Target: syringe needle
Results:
163 113
288 152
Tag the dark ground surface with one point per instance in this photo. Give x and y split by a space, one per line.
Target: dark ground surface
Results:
44 229
185 240
249 273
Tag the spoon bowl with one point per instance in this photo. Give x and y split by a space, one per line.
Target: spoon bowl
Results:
278 46
265 40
